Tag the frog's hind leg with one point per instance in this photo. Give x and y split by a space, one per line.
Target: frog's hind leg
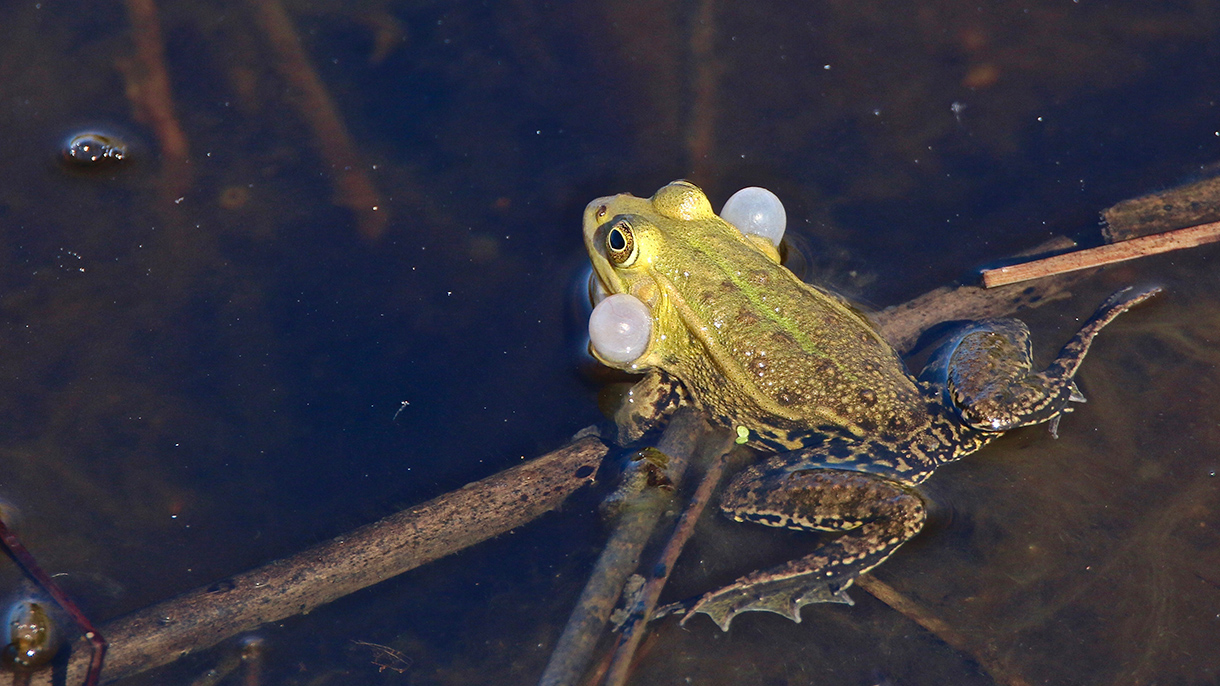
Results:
1063 369
875 514
1072 354
988 375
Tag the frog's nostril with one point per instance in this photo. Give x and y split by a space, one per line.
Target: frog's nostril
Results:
601 211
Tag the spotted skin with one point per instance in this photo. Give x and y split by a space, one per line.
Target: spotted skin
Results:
866 489
796 370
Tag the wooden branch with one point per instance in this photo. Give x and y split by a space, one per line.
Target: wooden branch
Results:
1173 208
640 612
204 617
639 513
1103 254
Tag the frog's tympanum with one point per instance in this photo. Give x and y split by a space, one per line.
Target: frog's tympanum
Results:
797 370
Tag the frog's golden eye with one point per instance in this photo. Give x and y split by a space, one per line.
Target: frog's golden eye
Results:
620 244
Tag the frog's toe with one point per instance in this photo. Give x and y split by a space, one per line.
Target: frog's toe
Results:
1075 396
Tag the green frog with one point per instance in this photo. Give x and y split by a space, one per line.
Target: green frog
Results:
795 369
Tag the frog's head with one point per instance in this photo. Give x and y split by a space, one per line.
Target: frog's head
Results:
650 249
624 235
628 239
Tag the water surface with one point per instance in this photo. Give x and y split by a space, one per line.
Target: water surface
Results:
204 363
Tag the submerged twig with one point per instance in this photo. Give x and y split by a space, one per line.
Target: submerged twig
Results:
637 518
202 618
986 658
1102 255
148 89
639 612
353 187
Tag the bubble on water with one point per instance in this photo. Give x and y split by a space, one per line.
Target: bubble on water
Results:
32 637
89 149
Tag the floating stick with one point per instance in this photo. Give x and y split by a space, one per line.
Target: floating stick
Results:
1103 254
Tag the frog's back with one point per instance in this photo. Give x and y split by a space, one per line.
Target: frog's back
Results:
783 358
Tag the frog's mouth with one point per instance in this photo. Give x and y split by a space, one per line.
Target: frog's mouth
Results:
620 326
599 285
597 290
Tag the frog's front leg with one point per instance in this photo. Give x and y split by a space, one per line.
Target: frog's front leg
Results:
648 405
986 369
874 514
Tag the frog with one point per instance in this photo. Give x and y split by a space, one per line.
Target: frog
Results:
801 373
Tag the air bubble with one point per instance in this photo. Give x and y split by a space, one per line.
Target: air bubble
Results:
32 637
94 149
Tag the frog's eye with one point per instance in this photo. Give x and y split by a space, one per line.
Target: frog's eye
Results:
620 244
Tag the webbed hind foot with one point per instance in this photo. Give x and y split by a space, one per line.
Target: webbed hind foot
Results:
875 514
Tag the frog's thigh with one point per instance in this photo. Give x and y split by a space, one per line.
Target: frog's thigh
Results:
986 360
990 382
989 377
819 499
876 514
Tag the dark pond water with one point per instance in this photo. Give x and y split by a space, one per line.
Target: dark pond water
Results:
205 350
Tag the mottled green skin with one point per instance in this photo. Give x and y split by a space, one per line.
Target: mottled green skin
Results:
759 347
808 376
